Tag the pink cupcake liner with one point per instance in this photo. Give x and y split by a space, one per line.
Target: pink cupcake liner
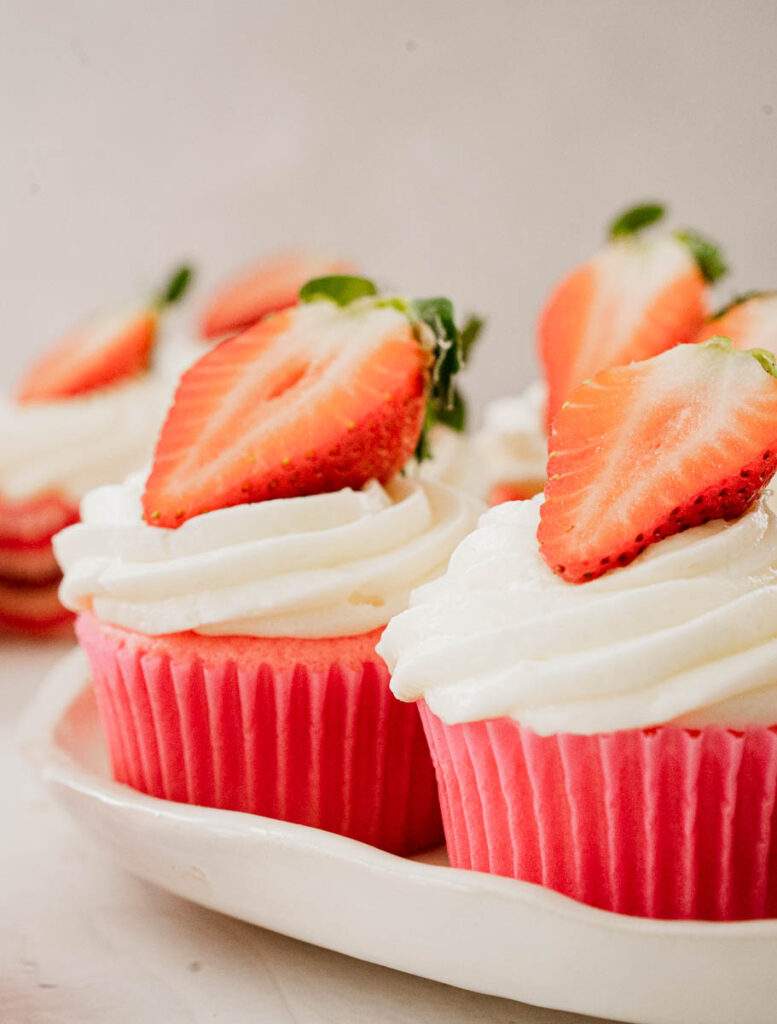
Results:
318 742
663 823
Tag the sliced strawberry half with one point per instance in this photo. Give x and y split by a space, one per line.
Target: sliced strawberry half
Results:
314 399
636 298
750 322
271 287
644 451
92 357
633 300
103 352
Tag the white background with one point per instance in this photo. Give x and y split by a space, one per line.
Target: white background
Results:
470 148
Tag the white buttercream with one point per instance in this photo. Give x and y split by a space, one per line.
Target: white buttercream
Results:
325 565
77 443
686 633
513 443
455 462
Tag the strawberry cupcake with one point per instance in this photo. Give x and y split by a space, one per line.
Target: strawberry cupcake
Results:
230 603
84 414
642 293
596 670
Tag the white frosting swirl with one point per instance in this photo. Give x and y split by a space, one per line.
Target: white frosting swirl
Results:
454 462
77 443
335 564
513 441
686 633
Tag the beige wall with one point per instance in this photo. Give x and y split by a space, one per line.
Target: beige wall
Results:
473 149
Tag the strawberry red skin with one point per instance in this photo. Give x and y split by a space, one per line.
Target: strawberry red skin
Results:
72 368
729 477
342 453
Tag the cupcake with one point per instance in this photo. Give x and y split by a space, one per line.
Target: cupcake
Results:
230 603
596 670
86 413
641 294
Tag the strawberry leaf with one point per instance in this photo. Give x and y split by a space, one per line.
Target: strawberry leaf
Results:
707 254
176 287
633 220
340 288
445 404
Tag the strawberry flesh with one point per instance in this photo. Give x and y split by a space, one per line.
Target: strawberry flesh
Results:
269 288
645 451
751 323
92 357
634 299
311 400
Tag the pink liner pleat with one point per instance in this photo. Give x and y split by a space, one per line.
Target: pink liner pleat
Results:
325 745
663 823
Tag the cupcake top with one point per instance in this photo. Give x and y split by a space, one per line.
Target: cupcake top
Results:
687 632
334 564
642 589
277 504
87 412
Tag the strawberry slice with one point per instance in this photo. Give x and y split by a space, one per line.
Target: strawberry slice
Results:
635 298
91 357
749 321
271 287
101 353
309 400
645 451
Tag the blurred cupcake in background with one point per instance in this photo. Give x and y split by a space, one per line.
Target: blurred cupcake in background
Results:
513 445
230 604
87 412
643 293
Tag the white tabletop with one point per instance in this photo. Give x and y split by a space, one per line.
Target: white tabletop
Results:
82 942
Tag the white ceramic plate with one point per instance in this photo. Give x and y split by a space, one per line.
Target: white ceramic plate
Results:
477 931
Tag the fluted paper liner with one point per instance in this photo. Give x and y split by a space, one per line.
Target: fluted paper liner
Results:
663 823
317 742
